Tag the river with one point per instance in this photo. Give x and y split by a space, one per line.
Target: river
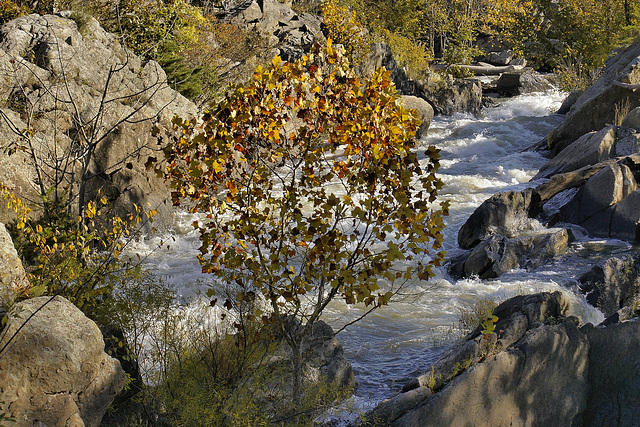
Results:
481 155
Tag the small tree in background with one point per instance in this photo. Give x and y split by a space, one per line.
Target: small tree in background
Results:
311 190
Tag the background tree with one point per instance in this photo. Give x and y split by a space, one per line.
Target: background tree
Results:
312 192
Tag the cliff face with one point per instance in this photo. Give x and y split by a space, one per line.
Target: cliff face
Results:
78 112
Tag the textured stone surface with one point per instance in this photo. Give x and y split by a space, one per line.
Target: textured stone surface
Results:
594 109
520 82
503 213
35 51
56 371
613 285
424 109
13 279
527 373
498 254
590 149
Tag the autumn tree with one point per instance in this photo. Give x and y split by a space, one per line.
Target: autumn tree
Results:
311 191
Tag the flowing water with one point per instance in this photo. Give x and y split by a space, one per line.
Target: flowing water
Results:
480 156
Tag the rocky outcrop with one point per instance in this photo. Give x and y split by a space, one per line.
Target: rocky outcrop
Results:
532 371
424 109
13 278
595 107
444 93
614 375
54 371
605 205
592 148
290 33
537 368
451 95
78 89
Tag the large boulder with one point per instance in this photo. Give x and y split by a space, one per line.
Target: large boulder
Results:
541 380
291 33
514 83
532 371
449 95
424 109
498 254
614 286
589 149
503 213
53 369
78 87
606 205
594 109
13 278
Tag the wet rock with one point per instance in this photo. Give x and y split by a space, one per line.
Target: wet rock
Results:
514 83
56 372
498 254
504 214
424 109
614 286
614 375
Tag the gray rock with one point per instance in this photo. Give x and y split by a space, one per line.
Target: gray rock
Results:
606 205
604 189
520 82
500 58
541 380
569 101
516 316
34 52
590 149
13 278
614 376
453 95
498 254
594 109
424 109
613 285
503 213
632 119
526 373
56 372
